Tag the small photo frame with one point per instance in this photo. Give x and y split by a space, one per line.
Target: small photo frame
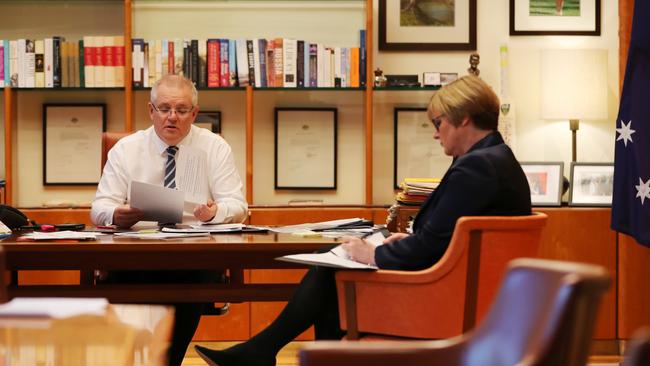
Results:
545 182
448 77
210 120
305 148
431 79
416 153
592 184
72 153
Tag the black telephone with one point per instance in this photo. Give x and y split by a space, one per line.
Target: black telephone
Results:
12 217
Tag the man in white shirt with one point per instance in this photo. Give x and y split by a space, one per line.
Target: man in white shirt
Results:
171 153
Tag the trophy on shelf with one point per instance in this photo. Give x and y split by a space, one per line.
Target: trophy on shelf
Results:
380 79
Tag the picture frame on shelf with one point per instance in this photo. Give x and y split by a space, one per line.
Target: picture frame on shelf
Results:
545 18
431 79
451 24
71 148
416 154
545 182
305 148
448 77
210 120
592 184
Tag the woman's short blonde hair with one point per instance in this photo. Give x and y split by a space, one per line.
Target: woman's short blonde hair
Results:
468 96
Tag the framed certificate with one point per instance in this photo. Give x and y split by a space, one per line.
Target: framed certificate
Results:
305 148
417 154
210 120
71 143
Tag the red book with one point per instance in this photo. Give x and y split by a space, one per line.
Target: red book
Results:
214 65
170 57
270 63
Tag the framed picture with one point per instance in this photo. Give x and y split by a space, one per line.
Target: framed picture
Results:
554 17
448 77
416 153
71 143
305 148
592 184
210 120
431 79
432 25
545 182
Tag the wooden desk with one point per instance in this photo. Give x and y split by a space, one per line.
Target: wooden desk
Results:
125 335
232 252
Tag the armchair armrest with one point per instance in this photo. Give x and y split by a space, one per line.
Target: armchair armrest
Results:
403 353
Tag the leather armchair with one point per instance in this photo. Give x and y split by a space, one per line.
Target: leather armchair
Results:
446 299
109 139
544 314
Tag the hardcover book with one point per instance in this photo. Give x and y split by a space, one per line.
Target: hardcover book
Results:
300 64
250 56
214 63
242 63
224 55
256 62
202 69
89 61
289 62
313 65
39 64
278 62
137 55
119 61
263 67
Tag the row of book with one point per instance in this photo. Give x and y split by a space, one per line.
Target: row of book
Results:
414 191
92 62
278 62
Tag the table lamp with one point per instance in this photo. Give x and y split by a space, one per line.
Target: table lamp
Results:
574 87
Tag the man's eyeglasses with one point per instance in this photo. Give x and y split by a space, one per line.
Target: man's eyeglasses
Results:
166 111
437 121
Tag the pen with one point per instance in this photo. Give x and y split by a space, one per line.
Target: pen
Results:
365 235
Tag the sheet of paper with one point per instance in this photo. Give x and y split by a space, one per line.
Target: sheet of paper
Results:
191 175
315 225
53 307
58 235
158 203
159 235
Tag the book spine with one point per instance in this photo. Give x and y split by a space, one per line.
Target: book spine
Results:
194 64
278 62
164 55
362 57
202 71
100 53
300 64
2 63
313 65
137 55
109 59
306 64
171 61
146 80
186 60
65 61
20 71
262 54
213 63
89 58
157 60
30 63
256 61
56 62
73 64
7 61
270 63
224 63
119 60
179 52
232 61
251 62
338 67
289 62
354 67
242 63
345 67
81 67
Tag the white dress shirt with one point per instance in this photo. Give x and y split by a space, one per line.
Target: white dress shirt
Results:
142 157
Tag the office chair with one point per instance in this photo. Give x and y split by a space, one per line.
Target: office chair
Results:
109 139
446 299
638 352
544 314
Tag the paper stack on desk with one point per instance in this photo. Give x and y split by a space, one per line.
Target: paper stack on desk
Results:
60 235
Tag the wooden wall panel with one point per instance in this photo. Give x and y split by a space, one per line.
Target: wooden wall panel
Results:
633 286
233 326
583 235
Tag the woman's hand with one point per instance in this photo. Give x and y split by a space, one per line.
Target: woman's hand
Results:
395 237
359 250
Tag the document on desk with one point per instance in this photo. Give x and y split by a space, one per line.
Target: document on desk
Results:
324 225
161 204
337 257
155 235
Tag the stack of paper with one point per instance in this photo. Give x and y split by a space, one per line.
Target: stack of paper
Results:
59 235
416 190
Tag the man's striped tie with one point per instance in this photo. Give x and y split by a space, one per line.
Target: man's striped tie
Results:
170 167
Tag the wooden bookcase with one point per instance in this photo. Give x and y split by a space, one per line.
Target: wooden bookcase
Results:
11 97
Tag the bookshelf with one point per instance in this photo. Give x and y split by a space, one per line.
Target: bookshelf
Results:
148 19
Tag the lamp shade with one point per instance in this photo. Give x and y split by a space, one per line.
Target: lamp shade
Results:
574 84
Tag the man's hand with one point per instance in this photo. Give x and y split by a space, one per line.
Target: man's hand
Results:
206 212
125 216
395 237
359 250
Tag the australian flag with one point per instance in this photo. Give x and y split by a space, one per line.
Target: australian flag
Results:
631 201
